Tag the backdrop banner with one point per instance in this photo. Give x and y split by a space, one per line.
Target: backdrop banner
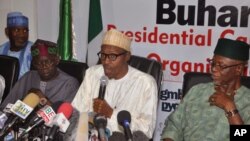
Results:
179 34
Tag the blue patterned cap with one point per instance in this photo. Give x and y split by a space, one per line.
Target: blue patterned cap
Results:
17 19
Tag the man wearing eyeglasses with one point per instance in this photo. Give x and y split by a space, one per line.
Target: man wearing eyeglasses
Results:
18 46
127 88
208 109
55 84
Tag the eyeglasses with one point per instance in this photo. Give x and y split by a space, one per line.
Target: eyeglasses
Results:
219 66
111 56
43 64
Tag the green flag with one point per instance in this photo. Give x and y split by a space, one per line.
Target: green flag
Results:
94 31
64 40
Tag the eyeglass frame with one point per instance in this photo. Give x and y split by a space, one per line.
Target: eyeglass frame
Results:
99 54
41 64
212 63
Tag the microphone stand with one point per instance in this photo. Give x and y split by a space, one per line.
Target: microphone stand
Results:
43 133
15 129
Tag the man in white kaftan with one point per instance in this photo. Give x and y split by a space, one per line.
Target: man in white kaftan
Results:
127 89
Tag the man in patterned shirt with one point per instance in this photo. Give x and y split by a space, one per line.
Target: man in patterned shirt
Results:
208 110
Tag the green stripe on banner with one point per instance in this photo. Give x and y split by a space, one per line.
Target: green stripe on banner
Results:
64 40
95 19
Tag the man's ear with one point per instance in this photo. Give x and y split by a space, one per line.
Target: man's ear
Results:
7 32
128 55
57 59
240 70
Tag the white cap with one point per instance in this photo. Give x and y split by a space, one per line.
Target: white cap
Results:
115 38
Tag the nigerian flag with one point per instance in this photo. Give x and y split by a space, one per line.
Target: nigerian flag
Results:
64 40
94 32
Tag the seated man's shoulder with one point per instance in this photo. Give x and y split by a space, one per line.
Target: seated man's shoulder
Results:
201 88
28 47
66 77
28 74
2 48
203 85
29 44
95 68
138 74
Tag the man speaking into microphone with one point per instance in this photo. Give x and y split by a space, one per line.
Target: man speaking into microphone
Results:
124 88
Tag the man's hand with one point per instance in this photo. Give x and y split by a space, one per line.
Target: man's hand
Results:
222 100
102 107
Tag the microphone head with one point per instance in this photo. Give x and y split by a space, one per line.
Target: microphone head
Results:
43 99
31 99
100 121
104 80
65 108
37 92
123 116
139 136
117 136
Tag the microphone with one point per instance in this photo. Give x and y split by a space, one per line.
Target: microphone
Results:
60 121
124 120
5 114
43 115
100 122
137 136
21 109
140 136
117 136
3 119
43 99
103 84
